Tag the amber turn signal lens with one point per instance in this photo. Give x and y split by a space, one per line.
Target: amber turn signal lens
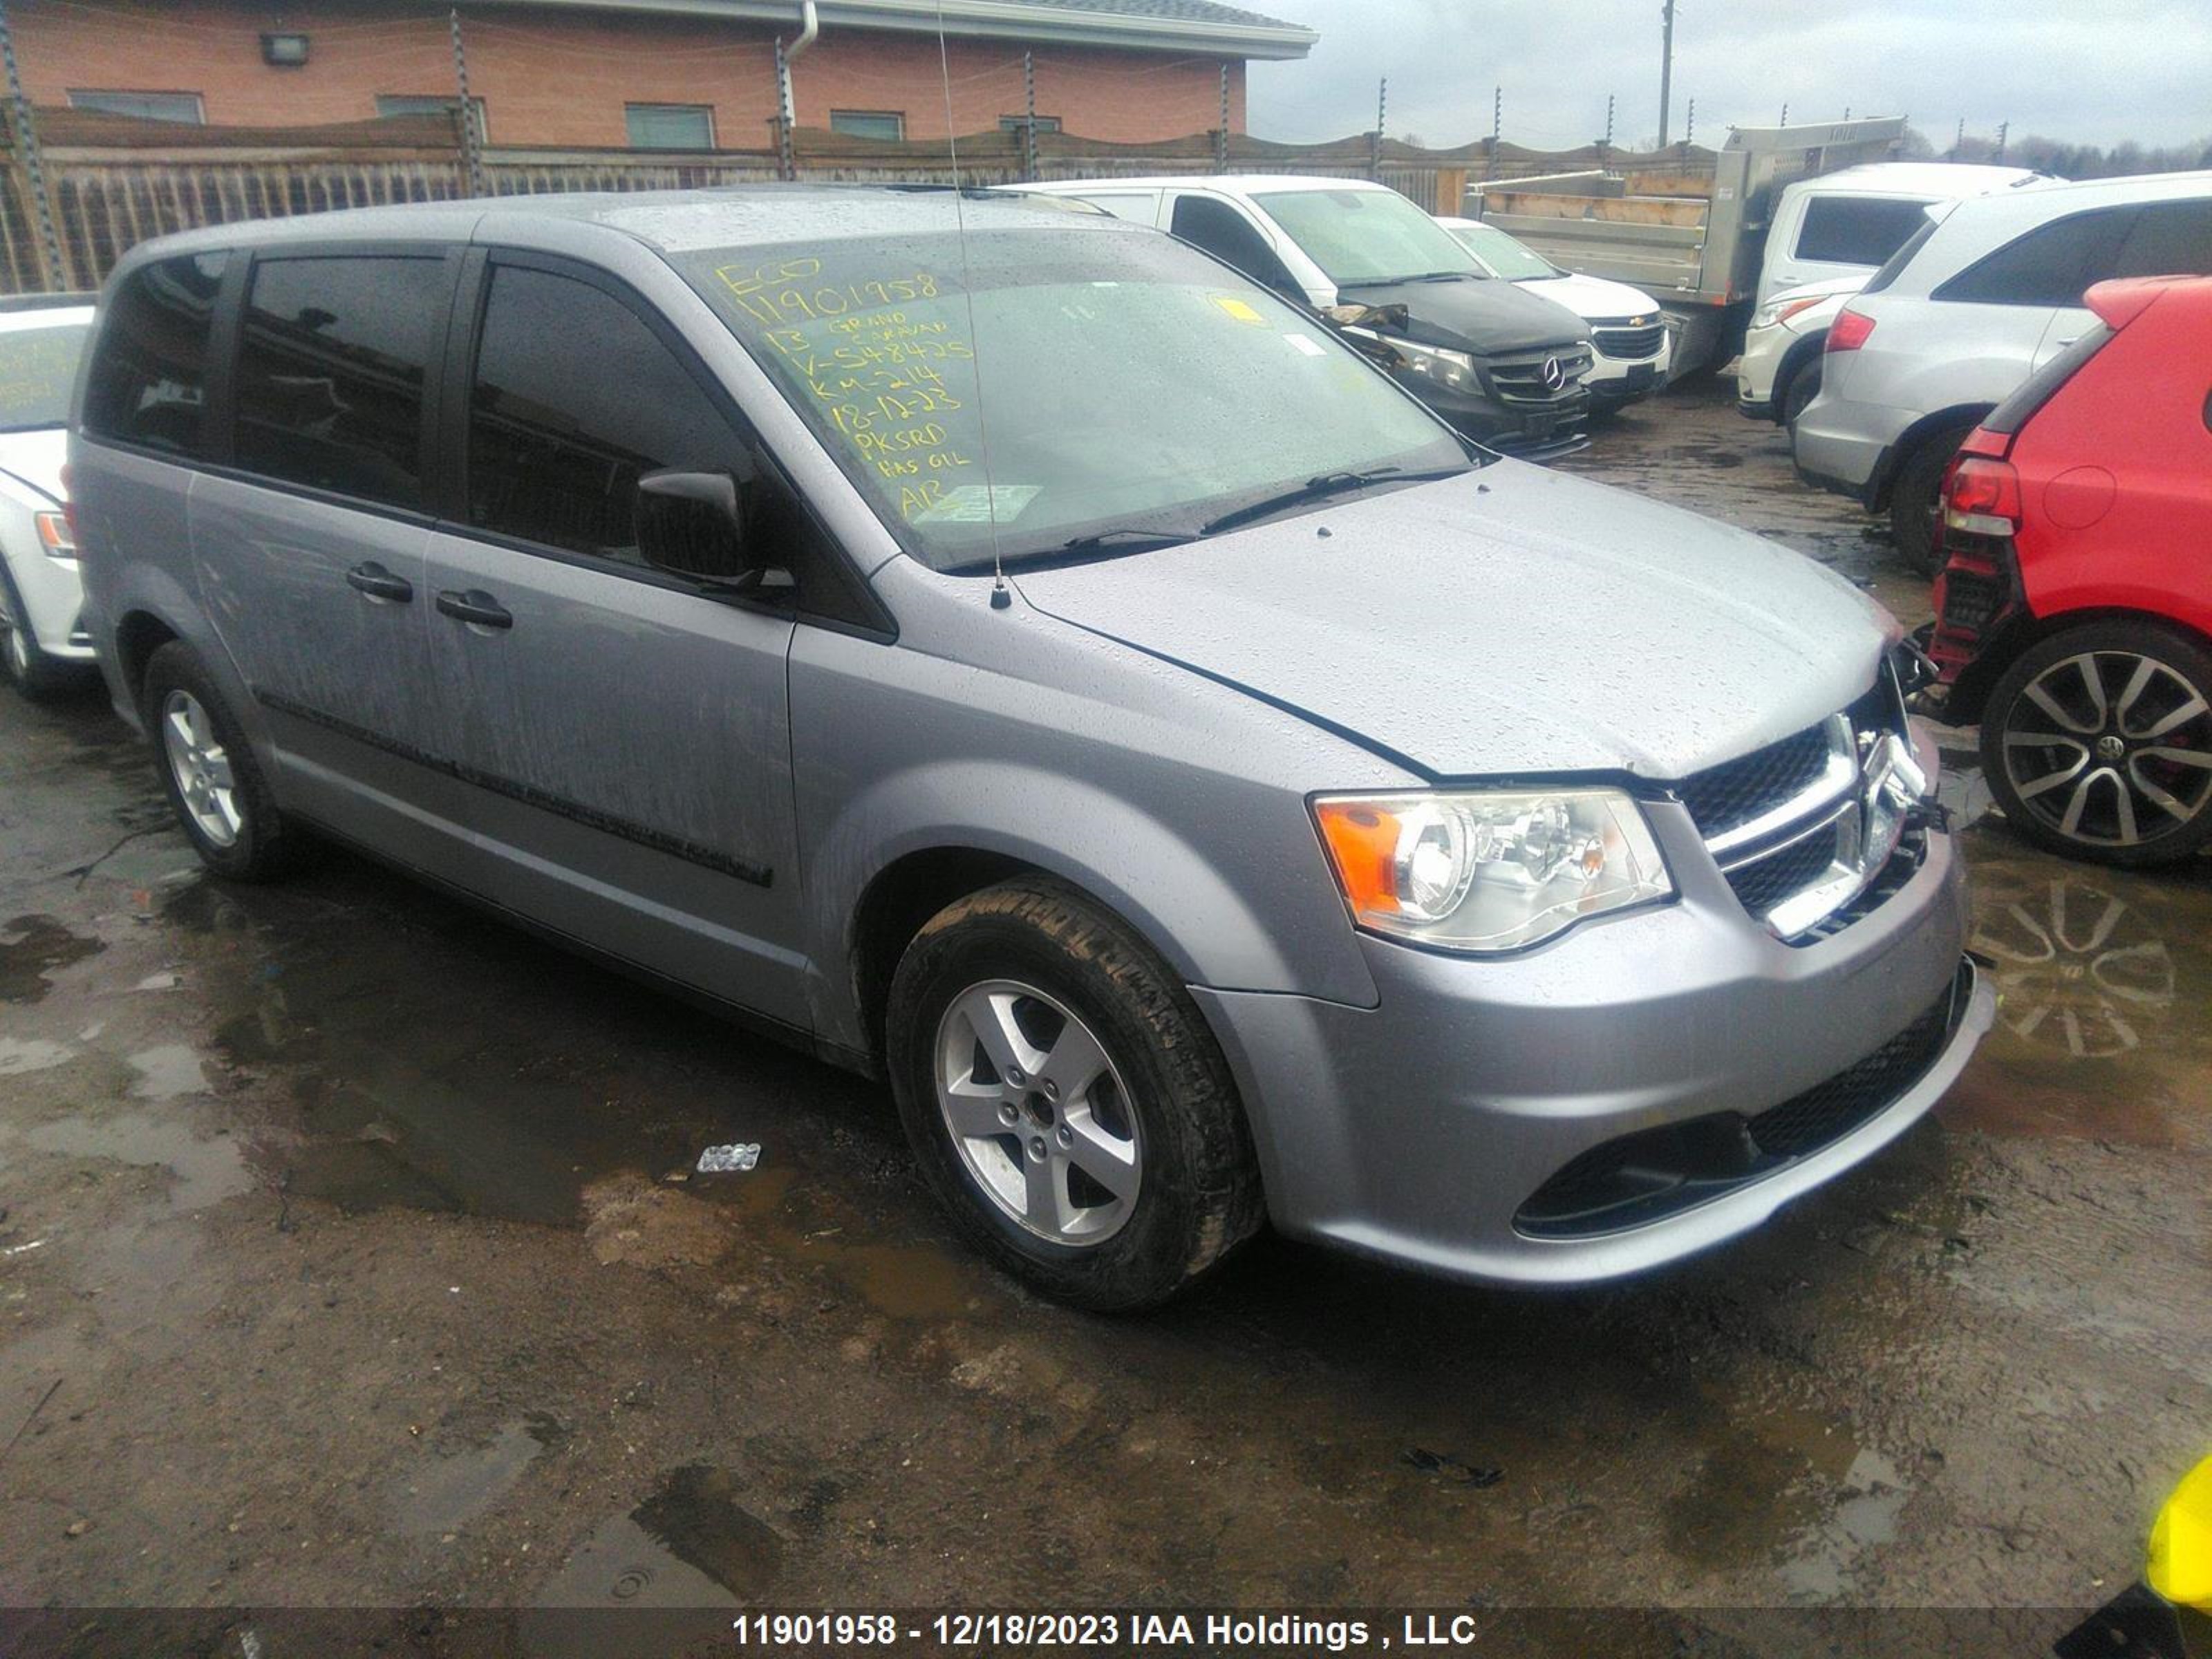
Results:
1363 844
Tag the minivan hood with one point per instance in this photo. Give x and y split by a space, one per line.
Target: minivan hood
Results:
1474 313
1511 621
36 458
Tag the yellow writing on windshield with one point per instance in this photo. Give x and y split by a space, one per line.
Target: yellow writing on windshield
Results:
871 355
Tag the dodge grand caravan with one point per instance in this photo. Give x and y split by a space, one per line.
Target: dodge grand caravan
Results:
1008 651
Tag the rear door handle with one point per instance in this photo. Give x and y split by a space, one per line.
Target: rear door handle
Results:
475 607
378 583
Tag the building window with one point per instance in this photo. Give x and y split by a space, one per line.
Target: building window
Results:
1016 123
184 107
408 103
669 126
869 123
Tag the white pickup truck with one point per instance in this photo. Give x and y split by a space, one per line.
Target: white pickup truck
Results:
1714 234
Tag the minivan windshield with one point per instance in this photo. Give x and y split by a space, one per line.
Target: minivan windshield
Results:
1367 236
1502 255
1133 391
38 369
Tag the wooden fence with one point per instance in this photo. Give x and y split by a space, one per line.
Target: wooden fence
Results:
111 181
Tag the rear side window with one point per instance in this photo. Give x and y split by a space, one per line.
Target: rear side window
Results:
1857 230
574 400
1893 267
2041 386
330 371
2168 238
1229 236
2049 265
148 380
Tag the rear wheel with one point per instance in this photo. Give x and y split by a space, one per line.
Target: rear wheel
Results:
209 772
1065 1099
30 670
1916 496
2098 744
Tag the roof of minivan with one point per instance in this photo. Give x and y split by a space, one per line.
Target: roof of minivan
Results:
669 220
1953 180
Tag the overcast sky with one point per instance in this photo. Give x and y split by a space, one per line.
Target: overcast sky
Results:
2095 72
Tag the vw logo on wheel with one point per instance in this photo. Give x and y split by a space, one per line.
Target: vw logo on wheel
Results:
1555 375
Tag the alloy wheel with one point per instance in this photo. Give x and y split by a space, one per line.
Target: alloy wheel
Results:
1038 1113
201 768
2111 748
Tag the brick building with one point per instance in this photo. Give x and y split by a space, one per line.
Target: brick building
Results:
655 74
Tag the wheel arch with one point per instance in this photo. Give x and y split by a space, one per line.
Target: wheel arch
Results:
139 633
1908 443
1805 352
1969 693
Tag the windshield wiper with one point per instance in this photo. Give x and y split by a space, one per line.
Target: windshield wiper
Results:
1320 489
1133 538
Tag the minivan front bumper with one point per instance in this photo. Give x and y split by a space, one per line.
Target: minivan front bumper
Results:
1421 1129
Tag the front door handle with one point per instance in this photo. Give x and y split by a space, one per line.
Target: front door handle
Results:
475 607
378 583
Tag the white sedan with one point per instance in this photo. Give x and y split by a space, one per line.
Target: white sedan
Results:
1629 336
43 645
1780 368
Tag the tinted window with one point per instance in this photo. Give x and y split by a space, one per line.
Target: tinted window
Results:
150 384
38 367
2041 386
1893 267
2049 265
575 400
1857 230
330 373
2168 238
1228 235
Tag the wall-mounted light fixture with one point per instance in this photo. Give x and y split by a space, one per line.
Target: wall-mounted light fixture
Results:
284 50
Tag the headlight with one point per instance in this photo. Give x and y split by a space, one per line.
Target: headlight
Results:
55 534
1489 870
1453 368
1781 310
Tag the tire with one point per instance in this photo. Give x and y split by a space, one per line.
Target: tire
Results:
35 675
234 826
2109 768
1803 387
1154 1109
1915 496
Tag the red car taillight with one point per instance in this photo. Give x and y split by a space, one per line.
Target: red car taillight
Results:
1849 330
1982 497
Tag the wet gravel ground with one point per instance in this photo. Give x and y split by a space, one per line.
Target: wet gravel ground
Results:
350 1259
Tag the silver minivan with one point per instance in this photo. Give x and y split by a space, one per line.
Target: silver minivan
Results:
1006 652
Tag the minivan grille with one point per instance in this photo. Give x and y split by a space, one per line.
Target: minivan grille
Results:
1730 795
1633 343
1789 817
1520 378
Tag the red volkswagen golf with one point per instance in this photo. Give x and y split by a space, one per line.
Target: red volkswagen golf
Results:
2074 614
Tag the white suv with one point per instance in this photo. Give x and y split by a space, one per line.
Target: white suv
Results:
1966 310
44 646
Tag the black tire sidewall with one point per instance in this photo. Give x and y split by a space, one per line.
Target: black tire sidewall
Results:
1803 387
2184 655
260 849
1174 1079
1918 483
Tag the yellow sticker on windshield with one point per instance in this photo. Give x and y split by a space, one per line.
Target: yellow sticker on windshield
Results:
1238 309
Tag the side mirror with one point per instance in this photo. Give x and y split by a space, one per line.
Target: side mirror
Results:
691 525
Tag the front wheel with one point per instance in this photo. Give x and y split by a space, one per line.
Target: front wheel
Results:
2098 744
30 670
1065 1099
